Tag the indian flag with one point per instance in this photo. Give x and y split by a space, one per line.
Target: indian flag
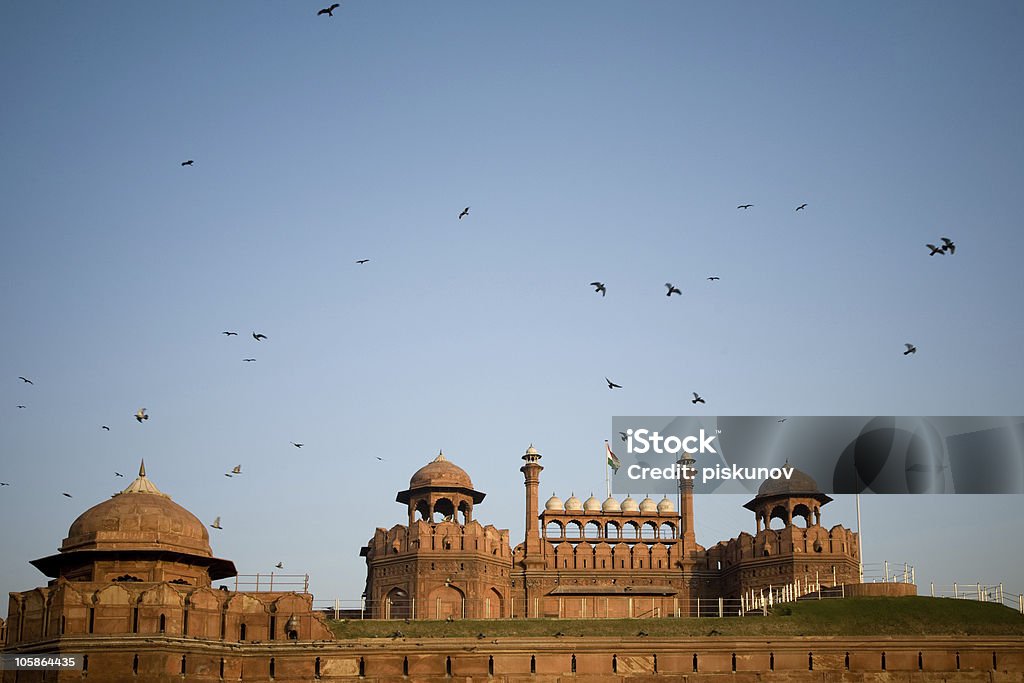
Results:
613 460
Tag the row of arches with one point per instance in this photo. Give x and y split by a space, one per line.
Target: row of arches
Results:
627 530
583 555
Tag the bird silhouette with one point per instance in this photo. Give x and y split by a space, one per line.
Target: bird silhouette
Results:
248 360
230 334
26 380
948 245
4 483
612 385
465 212
21 406
783 419
329 11
599 287
258 336
622 435
910 349
105 427
279 565
228 474
237 469
801 207
141 415
297 445
380 458
118 474
713 278
935 250
362 261
216 524
672 289
744 206
188 163
696 399
67 495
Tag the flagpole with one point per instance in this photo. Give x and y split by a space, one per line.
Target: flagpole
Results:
607 478
860 544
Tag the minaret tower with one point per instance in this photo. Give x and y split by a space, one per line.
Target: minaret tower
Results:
686 473
531 473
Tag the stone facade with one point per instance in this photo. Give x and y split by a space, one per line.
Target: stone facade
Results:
592 558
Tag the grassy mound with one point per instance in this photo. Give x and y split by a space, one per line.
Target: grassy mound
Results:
907 616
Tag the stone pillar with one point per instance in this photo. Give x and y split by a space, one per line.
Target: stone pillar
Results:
686 532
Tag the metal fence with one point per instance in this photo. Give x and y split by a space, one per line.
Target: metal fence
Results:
981 592
268 583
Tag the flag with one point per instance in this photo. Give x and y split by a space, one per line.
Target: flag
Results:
613 460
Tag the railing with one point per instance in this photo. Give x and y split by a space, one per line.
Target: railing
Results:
270 583
889 572
981 592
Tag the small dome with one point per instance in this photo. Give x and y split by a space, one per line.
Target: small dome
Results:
666 505
554 504
611 505
800 483
592 504
648 505
441 473
532 451
629 505
573 504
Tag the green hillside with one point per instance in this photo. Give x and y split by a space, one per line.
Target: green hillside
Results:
908 616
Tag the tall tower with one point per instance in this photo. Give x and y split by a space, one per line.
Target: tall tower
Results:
531 473
686 532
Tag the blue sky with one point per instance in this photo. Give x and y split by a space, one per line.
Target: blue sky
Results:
592 141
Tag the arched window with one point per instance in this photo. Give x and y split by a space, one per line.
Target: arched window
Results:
553 530
592 530
611 530
667 530
573 530
630 530
649 530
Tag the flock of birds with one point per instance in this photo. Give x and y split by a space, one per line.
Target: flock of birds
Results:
948 247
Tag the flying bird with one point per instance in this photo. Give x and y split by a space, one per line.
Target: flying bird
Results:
612 385
279 565
948 245
599 287
141 415
465 212
216 524
248 360
230 334
105 427
696 399
744 206
26 380
801 207
118 474
4 483
237 469
672 289
910 349
329 11
935 250
380 458
188 163
66 495
622 435
783 419
297 445
258 336
713 278
20 406
362 261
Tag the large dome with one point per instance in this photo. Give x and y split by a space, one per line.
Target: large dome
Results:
439 472
138 518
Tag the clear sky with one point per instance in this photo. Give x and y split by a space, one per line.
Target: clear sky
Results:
607 141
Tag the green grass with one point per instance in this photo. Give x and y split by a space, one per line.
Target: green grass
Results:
908 616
